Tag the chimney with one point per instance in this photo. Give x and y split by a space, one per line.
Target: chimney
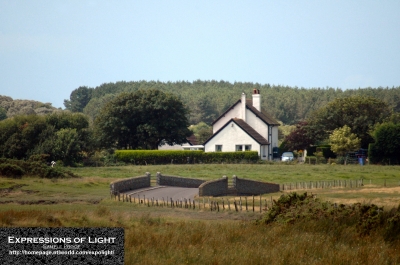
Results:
243 100
257 99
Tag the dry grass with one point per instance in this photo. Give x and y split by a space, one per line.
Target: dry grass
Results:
160 235
151 238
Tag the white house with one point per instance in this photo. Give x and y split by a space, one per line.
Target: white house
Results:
244 127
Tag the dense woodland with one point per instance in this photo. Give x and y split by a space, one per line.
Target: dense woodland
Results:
208 99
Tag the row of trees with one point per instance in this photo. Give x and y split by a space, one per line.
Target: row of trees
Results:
140 120
348 124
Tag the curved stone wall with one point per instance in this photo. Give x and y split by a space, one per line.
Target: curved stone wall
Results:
252 187
216 187
130 184
177 181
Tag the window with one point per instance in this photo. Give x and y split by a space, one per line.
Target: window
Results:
239 148
218 148
247 147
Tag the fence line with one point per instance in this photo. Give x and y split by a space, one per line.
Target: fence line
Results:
329 184
202 204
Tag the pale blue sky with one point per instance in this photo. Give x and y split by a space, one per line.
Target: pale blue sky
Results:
48 48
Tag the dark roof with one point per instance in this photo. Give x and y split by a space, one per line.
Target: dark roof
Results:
250 131
246 128
192 140
263 115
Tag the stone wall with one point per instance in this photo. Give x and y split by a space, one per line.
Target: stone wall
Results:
252 187
216 187
130 184
176 181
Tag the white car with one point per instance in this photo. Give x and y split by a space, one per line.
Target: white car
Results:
287 156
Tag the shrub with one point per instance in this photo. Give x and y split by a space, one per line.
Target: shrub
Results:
366 219
40 158
10 170
18 168
326 151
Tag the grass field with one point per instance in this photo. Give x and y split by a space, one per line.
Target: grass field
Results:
161 235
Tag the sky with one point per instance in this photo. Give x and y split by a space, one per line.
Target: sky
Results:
48 48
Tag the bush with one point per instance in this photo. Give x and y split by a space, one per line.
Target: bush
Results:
39 158
10 170
315 160
326 151
19 168
184 157
366 219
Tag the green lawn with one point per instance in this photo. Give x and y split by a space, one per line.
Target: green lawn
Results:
278 173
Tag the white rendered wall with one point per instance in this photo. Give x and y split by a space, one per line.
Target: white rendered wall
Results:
229 137
257 124
233 113
274 141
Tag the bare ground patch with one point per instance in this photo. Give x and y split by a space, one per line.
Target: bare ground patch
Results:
371 190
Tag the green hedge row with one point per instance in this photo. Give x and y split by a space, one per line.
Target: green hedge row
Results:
184 157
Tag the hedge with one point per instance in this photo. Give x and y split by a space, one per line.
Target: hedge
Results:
184 157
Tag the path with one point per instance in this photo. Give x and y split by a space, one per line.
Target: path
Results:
160 192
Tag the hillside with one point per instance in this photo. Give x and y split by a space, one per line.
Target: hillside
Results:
209 99
10 107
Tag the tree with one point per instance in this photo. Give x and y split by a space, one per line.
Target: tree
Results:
79 98
3 113
67 146
357 112
203 111
26 135
142 119
94 106
343 141
387 143
202 131
299 138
